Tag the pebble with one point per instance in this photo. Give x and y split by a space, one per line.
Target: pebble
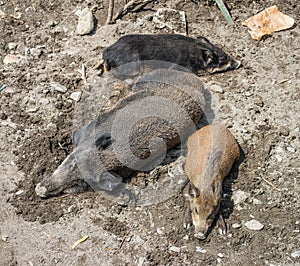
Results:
44 101
10 59
254 225
159 231
216 88
19 192
186 237
35 52
278 149
236 226
239 196
284 131
85 22
278 157
175 249
12 45
295 254
291 149
76 96
58 87
200 250
220 255
257 202
32 110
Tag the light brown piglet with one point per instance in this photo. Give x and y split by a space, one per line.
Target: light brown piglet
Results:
212 151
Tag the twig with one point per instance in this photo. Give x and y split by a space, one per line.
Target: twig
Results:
130 6
110 12
269 183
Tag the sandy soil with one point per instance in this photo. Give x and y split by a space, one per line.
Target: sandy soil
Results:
260 103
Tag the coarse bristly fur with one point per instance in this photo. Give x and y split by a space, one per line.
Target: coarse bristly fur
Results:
94 159
212 151
168 50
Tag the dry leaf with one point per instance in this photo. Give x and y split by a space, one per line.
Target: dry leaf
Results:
268 21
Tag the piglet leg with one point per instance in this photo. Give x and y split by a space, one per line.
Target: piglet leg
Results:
188 221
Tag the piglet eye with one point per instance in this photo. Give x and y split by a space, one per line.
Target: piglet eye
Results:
196 210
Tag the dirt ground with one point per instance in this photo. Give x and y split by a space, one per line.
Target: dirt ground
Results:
259 102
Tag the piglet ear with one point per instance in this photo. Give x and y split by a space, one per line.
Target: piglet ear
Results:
207 57
193 191
103 141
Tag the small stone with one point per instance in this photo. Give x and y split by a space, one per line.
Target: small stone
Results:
85 22
239 196
278 157
175 249
19 192
295 254
200 250
10 59
76 96
186 237
35 52
52 126
4 238
44 101
32 110
12 45
254 225
58 87
278 149
159 231
220 255
236 226
284 131
52 23
291 149
216 88
257 202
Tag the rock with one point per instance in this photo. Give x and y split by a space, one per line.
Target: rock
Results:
216 88
186 237
278 149
291 149
160 231
35 52
257 202
236 226
170 18
19 192
58 87
200 250
32 110
43 101
76 96
175 249
254 225
284 131
295 254
85 22
12 45
278 157
10 59
239 196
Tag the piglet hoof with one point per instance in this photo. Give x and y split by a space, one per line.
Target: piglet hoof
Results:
221 225
188 222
